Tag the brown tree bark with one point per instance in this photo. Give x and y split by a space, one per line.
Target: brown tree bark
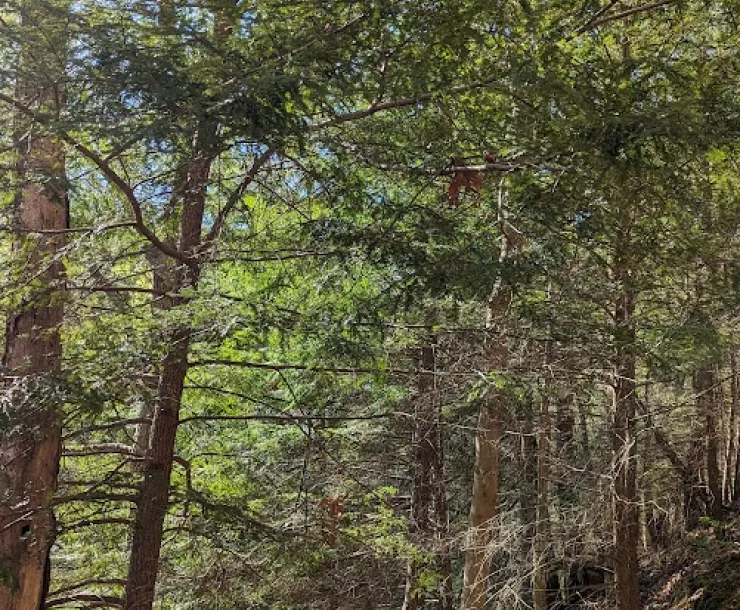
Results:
706 404
528 497
626 499
30 447
483 507
174 277
542 528
735 405
487 467
428 494
153 498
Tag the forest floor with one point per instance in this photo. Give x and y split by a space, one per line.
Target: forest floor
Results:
700 573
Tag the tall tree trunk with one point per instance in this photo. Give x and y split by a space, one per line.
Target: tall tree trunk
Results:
487 467
735 405
30 447
528 484
164 271
626 513
707 406
542 529
442 525
428 501
483 507
153 498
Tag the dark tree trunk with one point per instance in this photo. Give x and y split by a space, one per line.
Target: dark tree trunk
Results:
527 501
542 529
428 494
153 497
626 513
706 404
735 405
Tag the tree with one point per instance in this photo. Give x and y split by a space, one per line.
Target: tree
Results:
31 436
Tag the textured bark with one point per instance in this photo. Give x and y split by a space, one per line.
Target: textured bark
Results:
483 507
487 467
30 449
164 272
707 407
626 513
172 277
428 495
153 498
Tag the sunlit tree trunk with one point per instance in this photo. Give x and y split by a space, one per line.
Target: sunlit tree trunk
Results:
487 466
153 497
175 277
30 446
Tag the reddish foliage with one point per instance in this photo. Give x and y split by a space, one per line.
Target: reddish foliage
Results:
467 180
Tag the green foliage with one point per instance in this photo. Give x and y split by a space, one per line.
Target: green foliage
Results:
345 255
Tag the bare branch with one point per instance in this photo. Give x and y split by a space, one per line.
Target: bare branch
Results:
73 527
97 496
299 367
100 229
102 449
289 418
403 103
236 195
618 16
104 600
595 17
107 171
116 289
122 423
88 582
453 169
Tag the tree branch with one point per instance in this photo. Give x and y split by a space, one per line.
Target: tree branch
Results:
100 229
90 581
102 449
288 418
134 421
617 16
401 103
236 195
105 600
299 367
107 171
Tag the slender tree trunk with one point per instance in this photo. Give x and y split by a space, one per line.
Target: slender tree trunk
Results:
428 501
442 525
153 497
487 468
735 405
164 272
30 448
528 497
626 513
707 406
483 507
542 531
